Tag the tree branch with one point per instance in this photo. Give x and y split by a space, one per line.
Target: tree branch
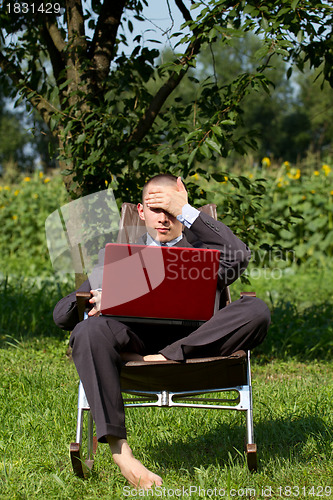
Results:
77 45
56 36
55 45
102 50
183 10
44 108
75 22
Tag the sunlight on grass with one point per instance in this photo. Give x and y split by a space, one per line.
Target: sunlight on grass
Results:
190 448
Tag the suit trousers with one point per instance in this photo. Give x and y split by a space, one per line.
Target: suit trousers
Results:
98 341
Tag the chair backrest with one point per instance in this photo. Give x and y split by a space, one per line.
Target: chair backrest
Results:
132 227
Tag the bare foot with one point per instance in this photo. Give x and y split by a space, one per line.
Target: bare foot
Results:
154 357
131 468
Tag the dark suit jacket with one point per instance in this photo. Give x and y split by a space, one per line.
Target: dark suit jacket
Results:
205 232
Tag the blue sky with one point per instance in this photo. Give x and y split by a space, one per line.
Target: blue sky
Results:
158 22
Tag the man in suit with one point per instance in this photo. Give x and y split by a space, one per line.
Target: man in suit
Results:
101 344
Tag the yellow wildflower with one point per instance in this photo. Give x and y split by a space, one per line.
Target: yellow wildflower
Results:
35 195
282 181
16 192
41 175
294 173
286 165
250 176
14 217
327 169
225 180
7 188
313 191
46 180
266 162
331 193
316 172
195 176
27 179
106 183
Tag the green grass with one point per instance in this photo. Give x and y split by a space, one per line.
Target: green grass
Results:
293 393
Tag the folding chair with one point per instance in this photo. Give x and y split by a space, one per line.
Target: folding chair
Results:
172 383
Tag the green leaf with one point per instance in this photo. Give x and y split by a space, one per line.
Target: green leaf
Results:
217 130
204 149
81 138
228 122
67 171
191 157
213 145
218 177
191 135
65 84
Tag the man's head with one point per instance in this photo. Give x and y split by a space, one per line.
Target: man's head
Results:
162 198
159 180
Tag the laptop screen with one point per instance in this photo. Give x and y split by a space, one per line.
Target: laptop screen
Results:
159 282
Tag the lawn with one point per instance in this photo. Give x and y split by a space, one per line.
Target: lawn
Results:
198 453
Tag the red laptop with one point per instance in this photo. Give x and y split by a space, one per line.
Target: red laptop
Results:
165 283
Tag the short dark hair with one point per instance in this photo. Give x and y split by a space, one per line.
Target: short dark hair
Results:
162 178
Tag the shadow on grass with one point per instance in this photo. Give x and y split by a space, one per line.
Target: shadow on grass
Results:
26 310
224 445
302 335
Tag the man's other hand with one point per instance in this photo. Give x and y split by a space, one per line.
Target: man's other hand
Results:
96 302
168 198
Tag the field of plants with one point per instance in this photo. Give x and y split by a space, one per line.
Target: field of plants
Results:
24 207
293 217
303 196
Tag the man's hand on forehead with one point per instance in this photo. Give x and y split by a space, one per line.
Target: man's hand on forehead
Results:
170 198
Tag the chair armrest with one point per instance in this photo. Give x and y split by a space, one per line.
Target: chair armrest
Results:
82 303
248 294
209 209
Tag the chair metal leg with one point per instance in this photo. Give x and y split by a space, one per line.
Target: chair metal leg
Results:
81 466
75 448
251 447
251 457
92 443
